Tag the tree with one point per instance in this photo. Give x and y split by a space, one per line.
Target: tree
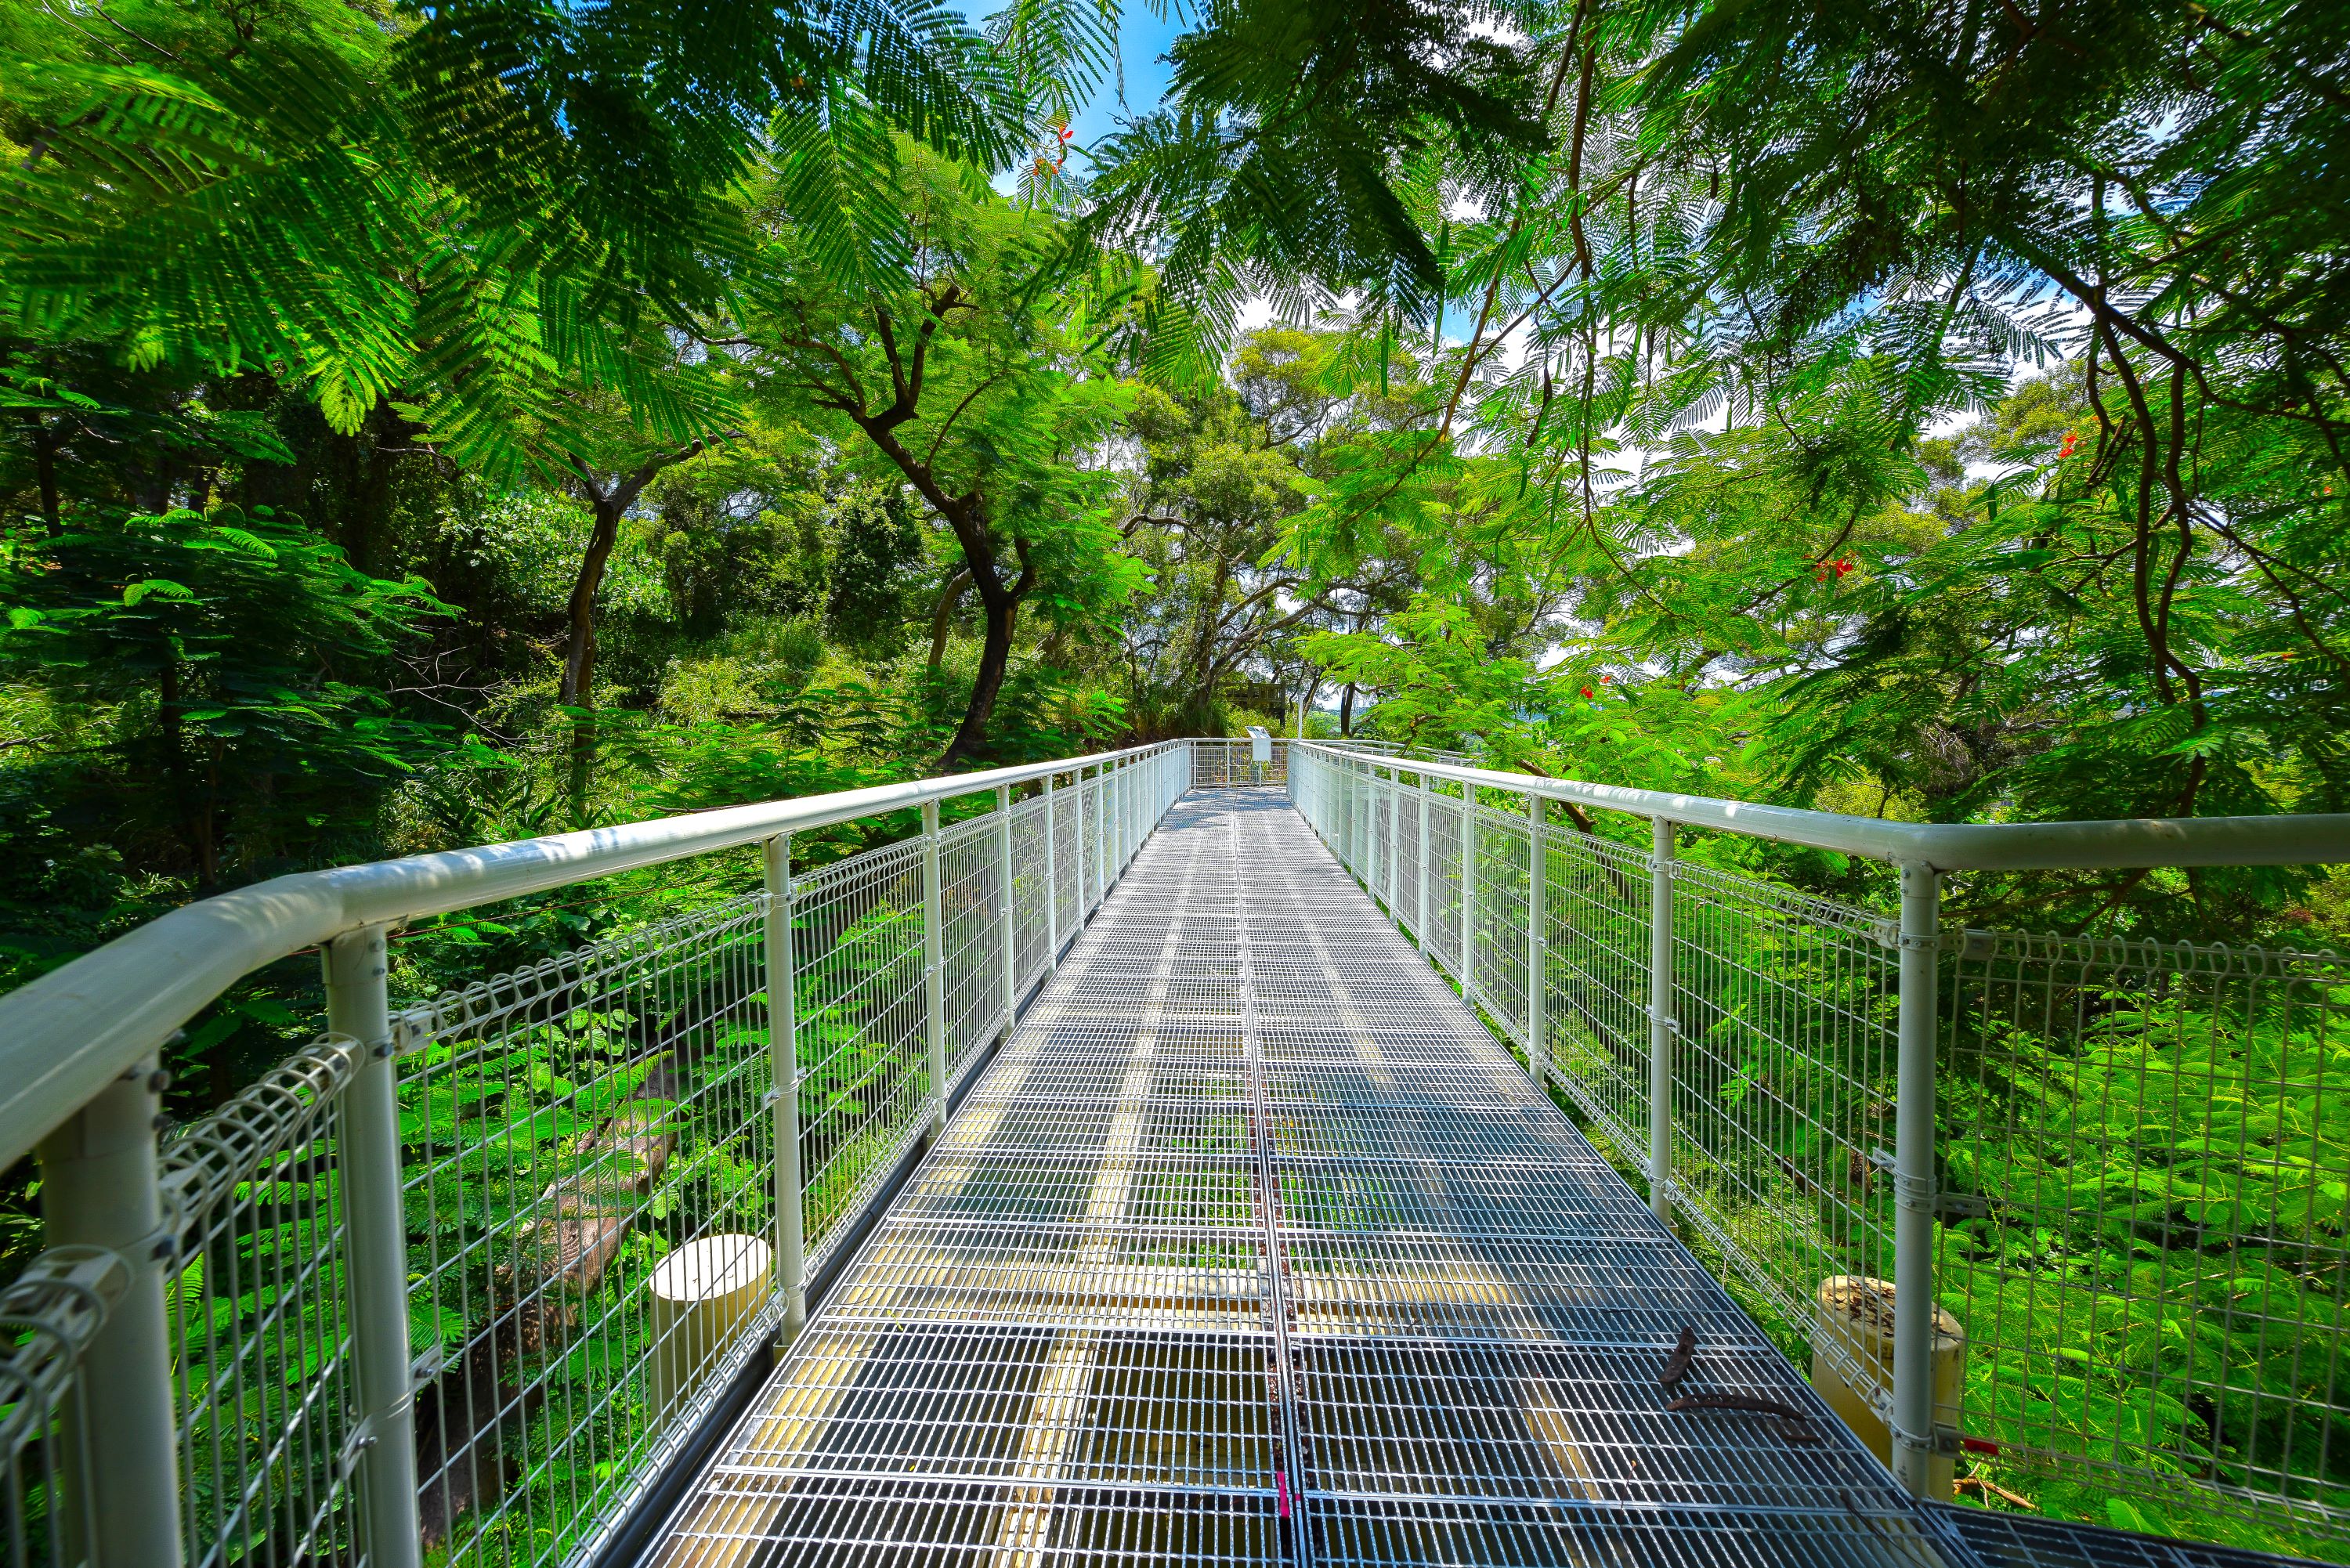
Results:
968 378
463 216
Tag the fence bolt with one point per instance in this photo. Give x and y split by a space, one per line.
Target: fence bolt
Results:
1913 1215
783 1056
934 982
358 1008
99 1187
1660 1019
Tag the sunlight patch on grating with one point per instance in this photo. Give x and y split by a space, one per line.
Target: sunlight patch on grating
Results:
1251 1245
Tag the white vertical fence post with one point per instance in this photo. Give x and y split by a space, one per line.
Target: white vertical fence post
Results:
1004 913
1914 1309
1052 883
1419 913
1537 944
1468 888
1661 1027
934 979
358 1006
783 1057
100 1175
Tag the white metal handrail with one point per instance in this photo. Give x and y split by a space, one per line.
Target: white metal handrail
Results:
2301 840
300 1250
1542 928
67 1035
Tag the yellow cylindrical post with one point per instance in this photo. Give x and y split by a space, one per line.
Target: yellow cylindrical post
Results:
700 1295
1855 1328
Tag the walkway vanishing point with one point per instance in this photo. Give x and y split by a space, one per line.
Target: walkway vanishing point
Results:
1253 1246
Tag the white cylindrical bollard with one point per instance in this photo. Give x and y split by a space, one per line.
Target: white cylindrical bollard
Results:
700 1297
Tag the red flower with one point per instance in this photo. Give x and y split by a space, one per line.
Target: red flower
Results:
1586 692
2072 443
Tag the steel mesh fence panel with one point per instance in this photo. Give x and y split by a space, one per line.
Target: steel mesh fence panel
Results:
1068 864
1597 903
860 1035
49 1316
1501 911
1090 846
1233 765
1784 1070
1406 883
1441 942
570 1129
970 894
259 1311
2146 1151
1029 893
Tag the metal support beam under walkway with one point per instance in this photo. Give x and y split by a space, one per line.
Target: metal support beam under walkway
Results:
1252 1246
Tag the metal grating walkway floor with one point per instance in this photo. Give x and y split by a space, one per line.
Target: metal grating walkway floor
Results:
1253 1246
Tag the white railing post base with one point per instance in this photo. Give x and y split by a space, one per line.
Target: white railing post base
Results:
99 1187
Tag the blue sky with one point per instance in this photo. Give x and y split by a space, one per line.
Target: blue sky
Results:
1143 39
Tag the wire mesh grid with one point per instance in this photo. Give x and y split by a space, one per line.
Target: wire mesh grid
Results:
1029 893
859 1023
1253 1243
1783 1010
1442 941
2020 1541
1069 863
1230 763
972 898
1597 903
576 1134
259 1310
49 1316
1502 911
2145 1154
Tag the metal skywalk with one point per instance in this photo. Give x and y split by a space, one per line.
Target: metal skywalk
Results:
1253 1245
1253 1235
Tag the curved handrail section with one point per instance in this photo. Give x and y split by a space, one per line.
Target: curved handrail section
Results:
2121 845
64 1037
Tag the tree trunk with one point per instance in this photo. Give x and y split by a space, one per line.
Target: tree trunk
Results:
1000 609
579 688
1347 712
943 619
